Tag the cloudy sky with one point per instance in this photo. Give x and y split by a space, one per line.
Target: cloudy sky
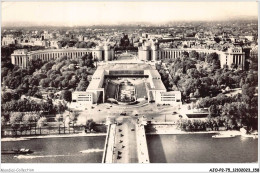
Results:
89 13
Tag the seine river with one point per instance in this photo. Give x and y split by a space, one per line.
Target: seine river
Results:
195 148
201 148
88 149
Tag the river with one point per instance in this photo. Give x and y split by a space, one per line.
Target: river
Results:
88 149
190 148
201 148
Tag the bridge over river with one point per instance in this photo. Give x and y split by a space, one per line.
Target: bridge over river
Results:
125 141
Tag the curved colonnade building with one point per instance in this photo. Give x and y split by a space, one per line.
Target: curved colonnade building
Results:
154 53
21 57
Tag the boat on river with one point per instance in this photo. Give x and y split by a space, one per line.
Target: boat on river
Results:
223 136
17 151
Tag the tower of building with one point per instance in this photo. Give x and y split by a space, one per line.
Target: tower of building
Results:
155 51
99 50
108 53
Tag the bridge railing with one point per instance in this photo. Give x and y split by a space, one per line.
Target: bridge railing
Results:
142 150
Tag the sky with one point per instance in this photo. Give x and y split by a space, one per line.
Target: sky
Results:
103 13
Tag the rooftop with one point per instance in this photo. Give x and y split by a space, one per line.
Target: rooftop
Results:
171 93
158 85
155 74
96 79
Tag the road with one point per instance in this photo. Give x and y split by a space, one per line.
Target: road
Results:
125 150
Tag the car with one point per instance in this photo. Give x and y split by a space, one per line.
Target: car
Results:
132 129
174 113
123 113
136 115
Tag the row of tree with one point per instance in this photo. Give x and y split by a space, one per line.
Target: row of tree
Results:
210 124
25 105
24 122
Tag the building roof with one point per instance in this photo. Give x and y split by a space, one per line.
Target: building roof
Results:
23 51
158 85
155 74
171 93
156 82
96 80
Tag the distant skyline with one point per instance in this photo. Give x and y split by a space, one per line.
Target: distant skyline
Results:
105 13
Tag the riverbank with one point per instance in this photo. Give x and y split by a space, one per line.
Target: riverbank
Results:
51 136
175 132
225 133
171 129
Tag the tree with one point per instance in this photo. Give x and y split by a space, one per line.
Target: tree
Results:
34 118
3 121
82 45
90 124
247 93
83 58
27 120
6 97
194 54
233 66
73 117
90 63
45 82
90 44
96 61
41 122
185 54
197 93
59 119
65 83
193 73
211 57
66 95
51 95
82 86
216 64
213 111
15 121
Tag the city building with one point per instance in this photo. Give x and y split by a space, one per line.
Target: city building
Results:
152 52
8 39
21 57
149 86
